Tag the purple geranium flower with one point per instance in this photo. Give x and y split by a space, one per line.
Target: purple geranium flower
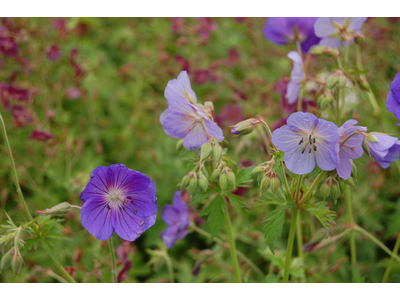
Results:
54 52
384 148
306 136
120 199
284 30
296 77
393 97
351 149
176 216
40 135
332 30
183 119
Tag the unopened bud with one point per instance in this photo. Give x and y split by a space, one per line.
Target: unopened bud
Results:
275 184
335 190
319 50
353 170
359 38
60 209
366 147
342 186
362 83
350 181
325 99
215 174
193 184
265 182
231 178
325 189
6 259
179 145
332 80
223 181
16 261
205 151
185 181
203 182
342 80
217 153
245 127
257 170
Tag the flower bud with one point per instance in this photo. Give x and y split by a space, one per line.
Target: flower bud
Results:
16 261
205 151
332 80
350 181
215 174
318 50
6 259
275 184
353 170
203 182
179 145
342 80
231 177
371 138
325 99
257 170
335 190
223 181
193 184
325 189
60 209
342 186
245 127
217 153
185 181
366 147
265 182
359 38
362 83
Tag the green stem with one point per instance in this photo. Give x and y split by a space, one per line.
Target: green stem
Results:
395 250
284 178
112 257
299 239
59 266
353 251
300 99
346 56
290 245
232 245
312 188
14 170
376 241
170 268
338 106
240 254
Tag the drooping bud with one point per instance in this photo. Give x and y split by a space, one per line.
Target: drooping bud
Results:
215 174
231 177
362 83
342 186
325 99
325 189
179 145
366 147
60 209
203 182
332 80
342 79
217 153
6 259
335 190
353 170
265 182
257 170
205 151
245 127
319 50
223 181
16 261
193 184
185 181
359 38
275 184
350 181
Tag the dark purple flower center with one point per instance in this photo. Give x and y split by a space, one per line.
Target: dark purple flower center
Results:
311 141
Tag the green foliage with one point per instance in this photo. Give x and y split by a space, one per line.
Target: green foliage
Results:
215 212
323 214
273 228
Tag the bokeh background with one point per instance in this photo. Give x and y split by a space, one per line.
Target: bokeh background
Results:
82 92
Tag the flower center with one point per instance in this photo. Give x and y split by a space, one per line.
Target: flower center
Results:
310 141
115 198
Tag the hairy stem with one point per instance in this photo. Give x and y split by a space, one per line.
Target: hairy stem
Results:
170 268
59 266
232 245
14 170
395 250
312 188
353 251
112 257
290 242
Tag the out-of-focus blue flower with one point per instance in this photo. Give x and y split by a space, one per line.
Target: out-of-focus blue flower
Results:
176 216
393 97
349 148
183 119
304 138
118 199
296 77
332 30
285 30
383 148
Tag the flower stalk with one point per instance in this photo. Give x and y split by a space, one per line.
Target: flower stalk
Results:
113 260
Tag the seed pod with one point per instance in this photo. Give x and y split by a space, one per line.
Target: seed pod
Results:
6 259
275 184
16 261
60 209
205 151
193 184
335 190
215 174
350 181
231 178
223 181
325 189
203 182
179 145
342 186
265 182
217 153
185 181
257 170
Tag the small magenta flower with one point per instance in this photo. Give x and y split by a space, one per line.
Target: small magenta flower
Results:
331 30
8 46
10 92
296 77
393 97
20 115
384 148
350 147
118 199
183 119
40 135
304 138
282 31
176 216
54 53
